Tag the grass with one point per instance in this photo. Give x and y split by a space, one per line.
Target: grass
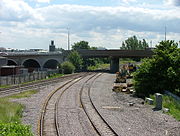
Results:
99 66
11 114
10 111
5 86
172 104
55 76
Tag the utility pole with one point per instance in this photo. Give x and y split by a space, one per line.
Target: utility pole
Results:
151 43
165 33
68 39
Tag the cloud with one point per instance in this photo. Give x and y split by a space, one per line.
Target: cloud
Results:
88 18
43 1
172 2
101 26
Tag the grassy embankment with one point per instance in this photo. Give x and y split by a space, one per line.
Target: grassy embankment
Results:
172 104
11 114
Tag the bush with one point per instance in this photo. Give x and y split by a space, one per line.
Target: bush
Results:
14 129
76 60
161 72
67 67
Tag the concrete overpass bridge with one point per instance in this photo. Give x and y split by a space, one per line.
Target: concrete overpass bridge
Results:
50 60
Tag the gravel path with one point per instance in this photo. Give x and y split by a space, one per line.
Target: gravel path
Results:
137 120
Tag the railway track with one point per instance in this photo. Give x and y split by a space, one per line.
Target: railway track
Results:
48 122
35 85
50 109
97 121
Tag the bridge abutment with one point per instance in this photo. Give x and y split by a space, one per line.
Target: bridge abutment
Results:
114 66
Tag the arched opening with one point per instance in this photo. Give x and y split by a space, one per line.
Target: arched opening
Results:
51 64
31 64
11 63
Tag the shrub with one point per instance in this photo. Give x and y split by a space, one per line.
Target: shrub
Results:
14 129
67 67
76 60
161 72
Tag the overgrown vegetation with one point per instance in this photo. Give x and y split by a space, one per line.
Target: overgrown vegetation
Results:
172 104
76 60
98 66
5 86
85 63
55 75
10 116
14 129
161 72
67 67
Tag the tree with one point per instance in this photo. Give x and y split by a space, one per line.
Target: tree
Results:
80 45
133 43
75 59
161 72
67 67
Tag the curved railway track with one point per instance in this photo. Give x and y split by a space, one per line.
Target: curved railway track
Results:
44 112
96 119
48 122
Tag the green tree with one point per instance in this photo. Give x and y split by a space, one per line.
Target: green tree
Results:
161 72
81 45
132 43
67 67
76 60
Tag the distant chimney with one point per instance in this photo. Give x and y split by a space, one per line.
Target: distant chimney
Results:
52 46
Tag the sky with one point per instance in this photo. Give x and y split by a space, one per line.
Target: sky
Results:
28 24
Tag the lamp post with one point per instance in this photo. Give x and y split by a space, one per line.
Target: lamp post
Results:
68 39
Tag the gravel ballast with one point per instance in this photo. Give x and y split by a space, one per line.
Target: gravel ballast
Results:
136 120
126 120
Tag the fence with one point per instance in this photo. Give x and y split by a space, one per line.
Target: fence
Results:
17 79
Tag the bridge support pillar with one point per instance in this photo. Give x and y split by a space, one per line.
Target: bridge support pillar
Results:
114 66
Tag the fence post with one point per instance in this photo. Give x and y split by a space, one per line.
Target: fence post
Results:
158 101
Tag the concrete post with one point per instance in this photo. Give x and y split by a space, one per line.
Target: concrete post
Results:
114 66
158 101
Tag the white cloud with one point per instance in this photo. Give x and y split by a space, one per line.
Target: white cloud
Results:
128 1
172 2
42 1
101 26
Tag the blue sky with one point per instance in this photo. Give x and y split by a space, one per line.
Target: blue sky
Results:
26 24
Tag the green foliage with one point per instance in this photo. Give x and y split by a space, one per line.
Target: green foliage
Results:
10 111
80 45
133 43
14 129
162 72
10 116
99 66
75 59
84 63
67 67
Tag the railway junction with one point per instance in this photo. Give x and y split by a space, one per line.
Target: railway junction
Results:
85 105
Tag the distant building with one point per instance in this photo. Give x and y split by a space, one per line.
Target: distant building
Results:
52 46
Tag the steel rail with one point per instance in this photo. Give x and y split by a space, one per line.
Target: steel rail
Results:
34 85
43 110
85 110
